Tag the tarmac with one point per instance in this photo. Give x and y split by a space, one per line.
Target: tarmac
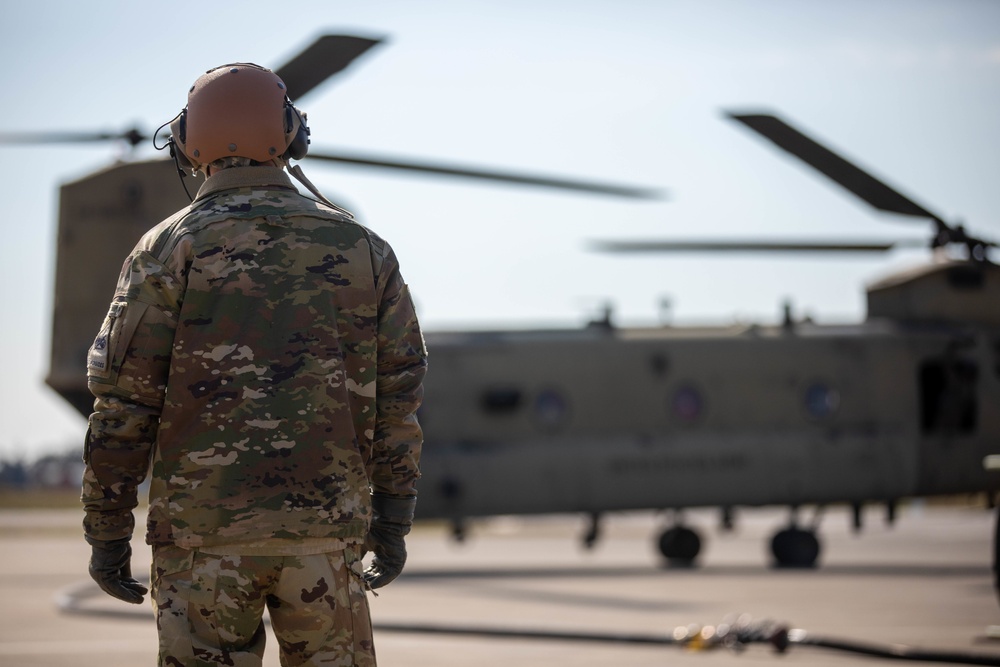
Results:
524 591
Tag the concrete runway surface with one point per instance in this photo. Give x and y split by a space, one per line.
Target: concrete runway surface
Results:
926 582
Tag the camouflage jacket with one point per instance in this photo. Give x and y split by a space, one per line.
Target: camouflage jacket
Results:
262 360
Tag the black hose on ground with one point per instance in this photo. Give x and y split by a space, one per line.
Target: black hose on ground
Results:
735 636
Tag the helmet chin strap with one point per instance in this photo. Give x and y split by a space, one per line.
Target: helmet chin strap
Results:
296 171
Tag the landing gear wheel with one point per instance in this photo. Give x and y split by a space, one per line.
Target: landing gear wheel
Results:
680 546
794 547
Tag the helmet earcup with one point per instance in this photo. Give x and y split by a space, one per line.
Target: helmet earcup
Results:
178 137
295 121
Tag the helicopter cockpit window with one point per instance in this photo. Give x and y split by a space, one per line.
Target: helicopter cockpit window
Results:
966 277
948 395
821 400
551 409
500 400
687 404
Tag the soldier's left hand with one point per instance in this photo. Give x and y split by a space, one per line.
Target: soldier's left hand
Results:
386 540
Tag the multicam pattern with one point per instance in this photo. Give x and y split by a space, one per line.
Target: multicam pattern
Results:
263 359
208 608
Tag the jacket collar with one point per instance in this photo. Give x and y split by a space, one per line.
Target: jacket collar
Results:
244 177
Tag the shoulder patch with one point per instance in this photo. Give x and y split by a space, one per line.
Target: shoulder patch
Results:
99 355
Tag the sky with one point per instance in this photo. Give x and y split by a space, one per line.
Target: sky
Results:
629 91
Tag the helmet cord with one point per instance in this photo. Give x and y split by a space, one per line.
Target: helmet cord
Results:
173 154
296 171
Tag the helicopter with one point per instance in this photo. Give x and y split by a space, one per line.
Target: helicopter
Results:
604 419
903 404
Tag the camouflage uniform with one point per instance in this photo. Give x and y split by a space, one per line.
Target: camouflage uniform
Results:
262 358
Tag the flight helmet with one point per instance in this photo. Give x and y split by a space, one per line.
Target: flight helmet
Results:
238 110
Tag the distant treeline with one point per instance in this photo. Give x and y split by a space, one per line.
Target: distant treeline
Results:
51 471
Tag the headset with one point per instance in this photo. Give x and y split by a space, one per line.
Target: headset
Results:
296 132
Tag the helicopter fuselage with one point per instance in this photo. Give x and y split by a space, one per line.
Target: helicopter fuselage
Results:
615 419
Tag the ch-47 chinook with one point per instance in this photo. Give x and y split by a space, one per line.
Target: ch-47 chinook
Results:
903 404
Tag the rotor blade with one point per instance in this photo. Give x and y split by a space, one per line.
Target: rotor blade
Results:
132 136
733 245
859 182
386 162
322 59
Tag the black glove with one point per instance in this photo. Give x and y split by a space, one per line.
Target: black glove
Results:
393 518
111 568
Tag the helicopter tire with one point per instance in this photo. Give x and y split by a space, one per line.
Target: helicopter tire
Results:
795 548
680 546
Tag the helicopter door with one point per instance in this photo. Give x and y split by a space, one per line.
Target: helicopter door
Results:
948 400
956 422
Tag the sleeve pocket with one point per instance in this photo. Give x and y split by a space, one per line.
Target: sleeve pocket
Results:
105 356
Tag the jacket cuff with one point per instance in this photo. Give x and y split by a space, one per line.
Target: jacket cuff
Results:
108 526
398 509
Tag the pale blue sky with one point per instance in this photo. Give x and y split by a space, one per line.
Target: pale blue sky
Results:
623 91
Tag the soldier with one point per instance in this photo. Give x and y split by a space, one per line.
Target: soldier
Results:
262 362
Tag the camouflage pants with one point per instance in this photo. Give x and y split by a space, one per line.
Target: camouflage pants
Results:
209 609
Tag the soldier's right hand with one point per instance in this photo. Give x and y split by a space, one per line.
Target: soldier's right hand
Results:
111 568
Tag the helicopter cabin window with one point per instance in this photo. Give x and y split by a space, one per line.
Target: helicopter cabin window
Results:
687 404
500 400
948 395
551 409
821 400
